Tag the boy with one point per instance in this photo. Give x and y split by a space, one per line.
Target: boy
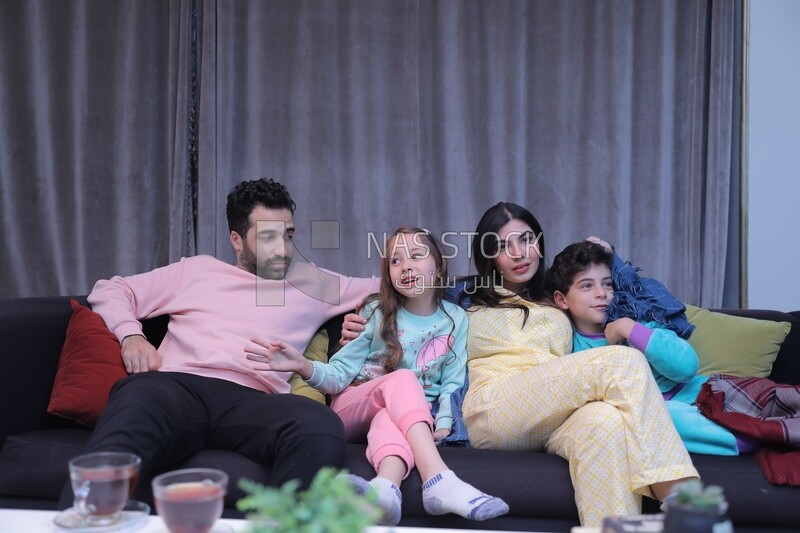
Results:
580 283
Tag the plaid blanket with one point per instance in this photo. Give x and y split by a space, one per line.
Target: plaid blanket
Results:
763 410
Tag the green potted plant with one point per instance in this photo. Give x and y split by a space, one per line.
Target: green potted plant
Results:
697 509
330 505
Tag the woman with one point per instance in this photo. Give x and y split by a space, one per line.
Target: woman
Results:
599 409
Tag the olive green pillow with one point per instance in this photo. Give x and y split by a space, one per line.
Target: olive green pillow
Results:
728 344
317 350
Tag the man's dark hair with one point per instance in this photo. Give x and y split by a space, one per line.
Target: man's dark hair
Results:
575 258
249 194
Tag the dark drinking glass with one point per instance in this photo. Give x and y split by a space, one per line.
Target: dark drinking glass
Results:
190 500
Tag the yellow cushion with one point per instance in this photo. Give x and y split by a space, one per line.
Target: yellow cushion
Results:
741 346
317 350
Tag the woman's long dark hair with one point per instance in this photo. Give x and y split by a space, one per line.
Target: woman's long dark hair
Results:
390 301
485 247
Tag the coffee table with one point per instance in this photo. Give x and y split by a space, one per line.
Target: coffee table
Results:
29 521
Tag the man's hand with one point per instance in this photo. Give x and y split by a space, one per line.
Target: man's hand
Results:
139 355
278 356
352 327
619 330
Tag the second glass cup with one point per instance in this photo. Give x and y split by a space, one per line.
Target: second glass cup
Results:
190 500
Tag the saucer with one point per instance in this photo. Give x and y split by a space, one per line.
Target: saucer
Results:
134 514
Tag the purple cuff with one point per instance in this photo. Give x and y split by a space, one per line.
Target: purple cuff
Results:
746 445
640 336
673 391
593 336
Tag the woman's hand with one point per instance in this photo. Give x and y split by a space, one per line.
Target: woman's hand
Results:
352 327
440 434
601 242
278 356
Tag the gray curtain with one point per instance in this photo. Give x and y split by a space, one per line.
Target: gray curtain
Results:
92 141
610 118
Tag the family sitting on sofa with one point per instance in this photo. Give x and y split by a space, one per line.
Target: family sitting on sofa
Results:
601 408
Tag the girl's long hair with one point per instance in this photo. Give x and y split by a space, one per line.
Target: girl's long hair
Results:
486 246
390 301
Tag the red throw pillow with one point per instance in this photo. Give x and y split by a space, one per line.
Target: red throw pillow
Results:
89 365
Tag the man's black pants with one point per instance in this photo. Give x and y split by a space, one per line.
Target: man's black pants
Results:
166 417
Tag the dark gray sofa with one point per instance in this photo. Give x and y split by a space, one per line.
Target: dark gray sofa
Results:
36 445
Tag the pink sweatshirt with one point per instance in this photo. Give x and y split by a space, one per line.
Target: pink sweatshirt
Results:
215 308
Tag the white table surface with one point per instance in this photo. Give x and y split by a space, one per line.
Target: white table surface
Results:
28 521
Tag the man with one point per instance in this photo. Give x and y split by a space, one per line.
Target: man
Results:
198 390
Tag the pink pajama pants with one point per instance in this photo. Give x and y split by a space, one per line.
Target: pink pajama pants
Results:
382 410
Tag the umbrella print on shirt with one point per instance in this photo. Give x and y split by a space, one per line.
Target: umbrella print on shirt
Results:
432 350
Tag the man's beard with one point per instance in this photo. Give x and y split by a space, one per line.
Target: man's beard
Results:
265 269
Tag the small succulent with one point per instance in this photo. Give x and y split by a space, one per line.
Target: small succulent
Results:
330 505
693 494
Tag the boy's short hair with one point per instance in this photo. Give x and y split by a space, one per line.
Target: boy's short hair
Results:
575 258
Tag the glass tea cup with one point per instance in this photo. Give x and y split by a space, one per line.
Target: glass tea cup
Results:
101 484
190 500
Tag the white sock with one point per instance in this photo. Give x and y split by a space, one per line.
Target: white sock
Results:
360 485
668 500
446 493
390 499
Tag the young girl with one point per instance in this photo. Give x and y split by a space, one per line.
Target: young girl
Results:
599 409
411 354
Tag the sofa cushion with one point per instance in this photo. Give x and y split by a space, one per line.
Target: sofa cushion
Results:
511 475
736 345
236 465
34 464
751 498
90 363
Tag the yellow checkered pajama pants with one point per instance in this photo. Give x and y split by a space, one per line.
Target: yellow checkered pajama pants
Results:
599 409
